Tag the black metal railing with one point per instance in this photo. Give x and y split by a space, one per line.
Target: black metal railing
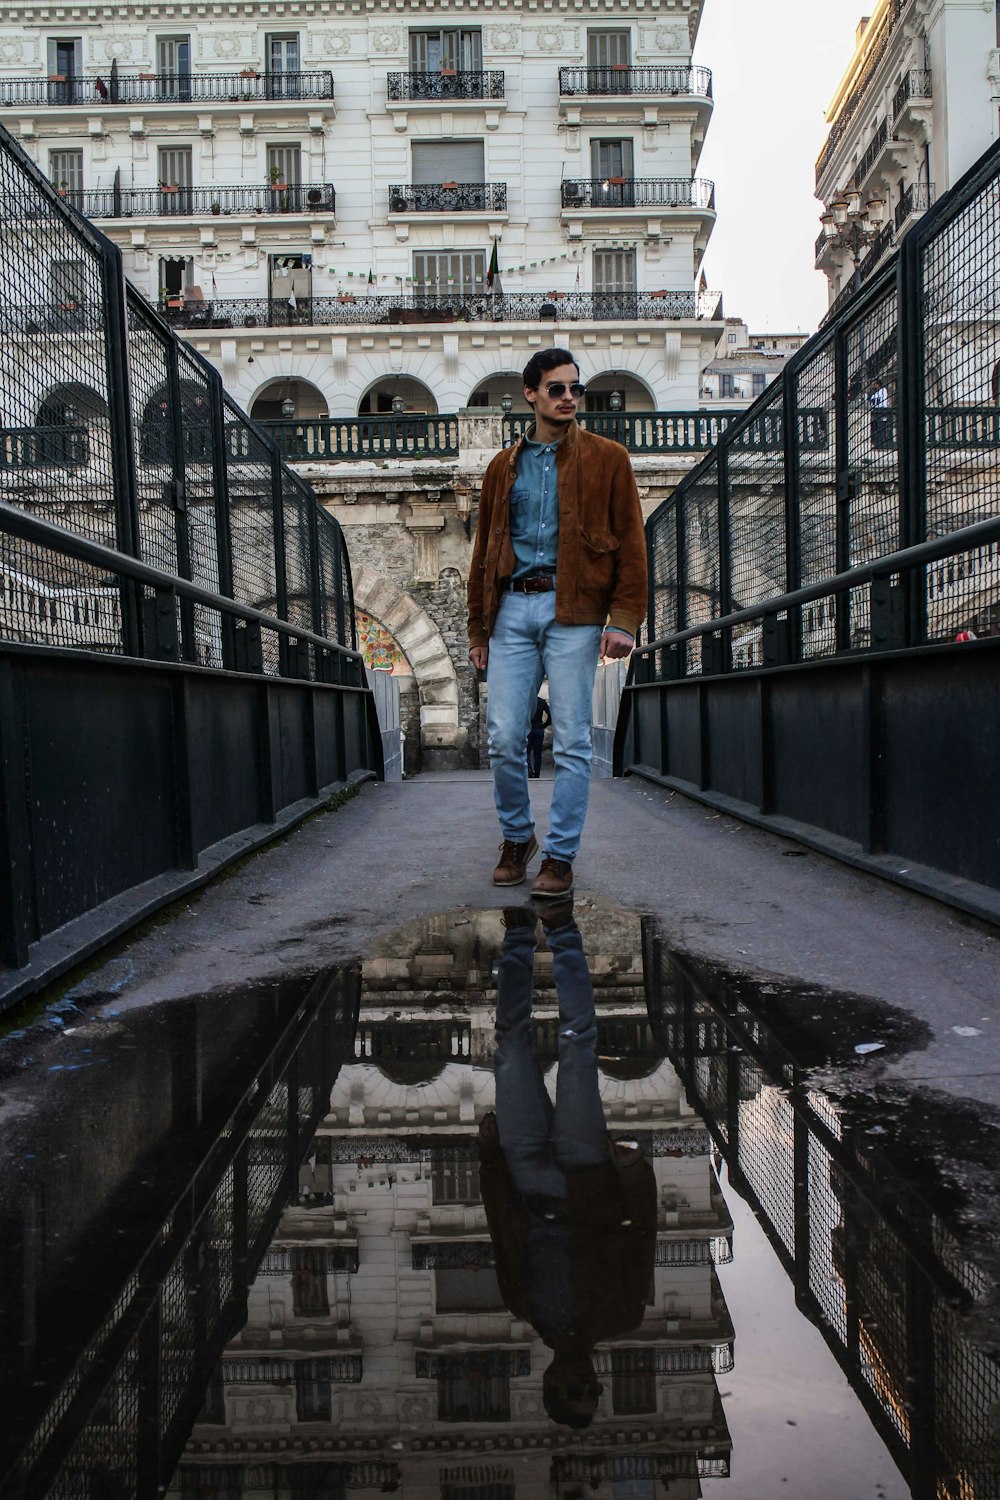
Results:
445 85
119 1380
661 82
852 103
644 431
183 543
876 146
916 199
915 85
879 536
448 197
638 192
172 201
891 1281
247 86
403 308
879 247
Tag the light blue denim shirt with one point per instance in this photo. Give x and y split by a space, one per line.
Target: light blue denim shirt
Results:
534 510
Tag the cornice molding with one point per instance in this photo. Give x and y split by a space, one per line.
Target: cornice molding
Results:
309 10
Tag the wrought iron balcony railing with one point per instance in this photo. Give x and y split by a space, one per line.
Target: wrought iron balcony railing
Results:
916 199
448 197
851 104
132 89
877 145
638 192
624 79
445 85
184 202
686 431
915 85
456 307
880 245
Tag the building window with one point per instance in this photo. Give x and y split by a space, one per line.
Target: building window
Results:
454 1179
449 161
66 174
759 383
312 1392
473 1387
455 49
611 159
633 1382
282 63
727 387
608 49
309 1294
68 283
443 273
173 58
732 338
65 63
614 271
175 173
284 173
467 1289
176 275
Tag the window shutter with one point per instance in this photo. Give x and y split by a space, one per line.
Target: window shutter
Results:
448 161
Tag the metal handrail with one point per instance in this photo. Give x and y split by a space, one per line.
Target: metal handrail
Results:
644 431
916 199
638 192
447 197
459 84
31 528
249 86
965 540
915 85
624 79
876 146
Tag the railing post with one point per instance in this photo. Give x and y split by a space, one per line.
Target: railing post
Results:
223 533
846 487
910 433
793 511
124 477
720 653
280 574
178 496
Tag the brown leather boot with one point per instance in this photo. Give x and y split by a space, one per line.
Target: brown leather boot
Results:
514 858
555 878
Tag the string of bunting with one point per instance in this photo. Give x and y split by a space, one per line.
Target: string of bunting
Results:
373 279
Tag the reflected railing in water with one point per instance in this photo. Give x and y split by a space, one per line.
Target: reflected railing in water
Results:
310 1272
875 1266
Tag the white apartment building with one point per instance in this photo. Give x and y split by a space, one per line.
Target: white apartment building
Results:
352 208
918 104
745 364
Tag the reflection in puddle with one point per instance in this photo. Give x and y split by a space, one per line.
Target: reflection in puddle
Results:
413 1263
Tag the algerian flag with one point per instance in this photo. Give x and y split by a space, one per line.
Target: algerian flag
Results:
371 277
493 274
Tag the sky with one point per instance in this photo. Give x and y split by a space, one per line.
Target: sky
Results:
775 67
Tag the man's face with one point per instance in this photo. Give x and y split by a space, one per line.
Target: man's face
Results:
559 410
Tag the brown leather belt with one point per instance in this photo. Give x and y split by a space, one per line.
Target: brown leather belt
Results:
544 584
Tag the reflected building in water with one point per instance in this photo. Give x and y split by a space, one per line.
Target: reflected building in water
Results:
378 1348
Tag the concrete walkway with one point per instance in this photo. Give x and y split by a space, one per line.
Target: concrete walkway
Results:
717 888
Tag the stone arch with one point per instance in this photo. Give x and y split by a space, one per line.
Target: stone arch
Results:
425 650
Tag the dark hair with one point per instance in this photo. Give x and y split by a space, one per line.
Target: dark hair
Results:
544 360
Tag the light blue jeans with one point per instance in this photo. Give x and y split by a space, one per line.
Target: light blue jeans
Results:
541 1143
527 645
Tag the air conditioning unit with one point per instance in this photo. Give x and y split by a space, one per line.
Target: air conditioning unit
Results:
397 203
321 200
572 192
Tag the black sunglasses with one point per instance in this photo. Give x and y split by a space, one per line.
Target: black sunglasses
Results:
557 388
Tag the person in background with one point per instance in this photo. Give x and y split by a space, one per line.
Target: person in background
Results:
536 737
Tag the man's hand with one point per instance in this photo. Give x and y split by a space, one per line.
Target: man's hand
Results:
615 644
479 656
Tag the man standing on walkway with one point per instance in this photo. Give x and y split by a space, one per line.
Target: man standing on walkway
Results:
558 578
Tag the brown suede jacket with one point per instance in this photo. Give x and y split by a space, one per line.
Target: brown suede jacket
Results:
601 564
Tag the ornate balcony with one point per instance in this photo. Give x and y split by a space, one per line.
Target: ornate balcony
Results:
186 202
878 144
467 307
448 197
648 83
913 93
876 51
446 86
246 87
638 192
915 200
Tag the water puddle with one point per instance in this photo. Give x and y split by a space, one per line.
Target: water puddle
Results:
658 1231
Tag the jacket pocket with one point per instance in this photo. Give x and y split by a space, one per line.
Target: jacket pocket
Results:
602 544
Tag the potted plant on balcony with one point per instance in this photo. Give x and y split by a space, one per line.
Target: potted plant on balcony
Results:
62 189
249 73
216 208
274 178
170 187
